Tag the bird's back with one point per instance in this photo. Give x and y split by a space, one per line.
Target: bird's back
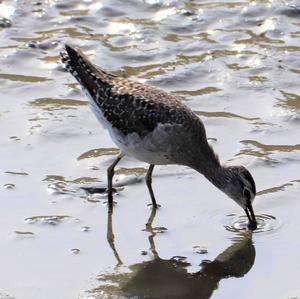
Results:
128 105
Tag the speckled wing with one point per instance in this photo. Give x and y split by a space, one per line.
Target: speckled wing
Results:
127 105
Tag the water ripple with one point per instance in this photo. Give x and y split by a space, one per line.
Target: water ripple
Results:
265 223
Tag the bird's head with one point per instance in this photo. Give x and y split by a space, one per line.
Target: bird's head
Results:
241 188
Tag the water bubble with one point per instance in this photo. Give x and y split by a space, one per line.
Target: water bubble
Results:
9 186
200 249
75 251
85 229
93 167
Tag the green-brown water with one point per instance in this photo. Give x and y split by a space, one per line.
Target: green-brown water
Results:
236 64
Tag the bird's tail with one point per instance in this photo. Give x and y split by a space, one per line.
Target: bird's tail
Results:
90 77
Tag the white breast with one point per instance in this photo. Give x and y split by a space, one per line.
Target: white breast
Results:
151 149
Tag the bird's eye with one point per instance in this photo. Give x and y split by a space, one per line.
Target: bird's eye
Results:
247 194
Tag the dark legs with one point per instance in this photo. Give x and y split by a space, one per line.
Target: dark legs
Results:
149 185
110 175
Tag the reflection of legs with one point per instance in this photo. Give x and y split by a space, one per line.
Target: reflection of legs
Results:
110 175
149 184
111 237
152 232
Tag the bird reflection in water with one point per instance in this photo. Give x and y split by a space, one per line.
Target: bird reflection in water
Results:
169 278
111 238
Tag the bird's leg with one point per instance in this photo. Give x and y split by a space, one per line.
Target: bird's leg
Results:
110 175
149 185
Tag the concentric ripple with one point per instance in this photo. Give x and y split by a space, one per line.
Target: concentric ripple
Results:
265 223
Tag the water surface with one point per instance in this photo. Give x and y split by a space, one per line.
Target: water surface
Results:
236 64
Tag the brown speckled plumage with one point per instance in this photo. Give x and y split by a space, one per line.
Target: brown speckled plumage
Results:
128 105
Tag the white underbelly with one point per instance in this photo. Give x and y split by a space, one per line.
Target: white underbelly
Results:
150 149
141 149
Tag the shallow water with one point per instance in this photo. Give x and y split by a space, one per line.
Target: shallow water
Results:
236 64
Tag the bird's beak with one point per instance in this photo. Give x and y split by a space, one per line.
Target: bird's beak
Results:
251 216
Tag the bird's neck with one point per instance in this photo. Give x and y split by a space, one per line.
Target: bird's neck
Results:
219 176
212 169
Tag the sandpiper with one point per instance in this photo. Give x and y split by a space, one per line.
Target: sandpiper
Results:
154 126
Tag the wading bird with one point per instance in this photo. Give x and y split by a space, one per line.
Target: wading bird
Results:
155 127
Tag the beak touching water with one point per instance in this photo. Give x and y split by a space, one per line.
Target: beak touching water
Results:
252 225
